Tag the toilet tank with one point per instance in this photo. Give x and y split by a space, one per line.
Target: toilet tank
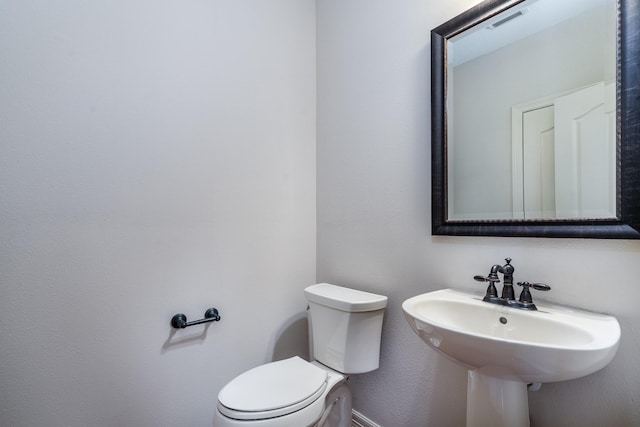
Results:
345 327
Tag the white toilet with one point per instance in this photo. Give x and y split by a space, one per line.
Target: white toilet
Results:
345 327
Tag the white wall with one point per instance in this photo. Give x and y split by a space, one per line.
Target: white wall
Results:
158 157
155 157
374 227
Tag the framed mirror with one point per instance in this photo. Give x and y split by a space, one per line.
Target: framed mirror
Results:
535 114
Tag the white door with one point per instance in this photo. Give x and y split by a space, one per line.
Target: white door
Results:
538 171
585 153
564 155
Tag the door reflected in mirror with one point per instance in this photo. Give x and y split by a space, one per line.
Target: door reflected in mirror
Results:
531 113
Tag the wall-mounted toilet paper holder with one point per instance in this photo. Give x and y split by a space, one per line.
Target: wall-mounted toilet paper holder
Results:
179 321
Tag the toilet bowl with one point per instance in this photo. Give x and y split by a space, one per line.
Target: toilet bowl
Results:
345 328
286 393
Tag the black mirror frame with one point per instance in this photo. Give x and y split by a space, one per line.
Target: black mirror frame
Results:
627 224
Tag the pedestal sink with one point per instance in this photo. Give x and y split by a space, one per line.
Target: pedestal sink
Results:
506 348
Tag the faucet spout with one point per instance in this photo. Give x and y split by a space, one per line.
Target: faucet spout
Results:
493 273
507 287
492 278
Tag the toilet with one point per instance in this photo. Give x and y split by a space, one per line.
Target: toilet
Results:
345 327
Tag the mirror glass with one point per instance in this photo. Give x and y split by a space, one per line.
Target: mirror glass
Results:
531 113
535 120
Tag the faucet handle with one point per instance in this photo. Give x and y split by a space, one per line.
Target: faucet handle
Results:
491 278
492 292
540 287
525 295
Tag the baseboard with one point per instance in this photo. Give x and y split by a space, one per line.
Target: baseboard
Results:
359 420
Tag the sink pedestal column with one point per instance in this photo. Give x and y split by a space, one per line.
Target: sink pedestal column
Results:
496 402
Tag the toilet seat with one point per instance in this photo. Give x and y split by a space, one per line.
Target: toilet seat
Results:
272 390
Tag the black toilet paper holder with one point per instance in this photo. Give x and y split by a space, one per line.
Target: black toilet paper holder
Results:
179 321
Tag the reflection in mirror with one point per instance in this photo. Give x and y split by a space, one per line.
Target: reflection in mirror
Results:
535 120
531 123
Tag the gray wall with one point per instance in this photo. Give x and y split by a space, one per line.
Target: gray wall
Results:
374 227
155 157
158 157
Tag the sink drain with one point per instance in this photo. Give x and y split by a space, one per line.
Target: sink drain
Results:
503 320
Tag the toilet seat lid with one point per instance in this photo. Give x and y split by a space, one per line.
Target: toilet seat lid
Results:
276 386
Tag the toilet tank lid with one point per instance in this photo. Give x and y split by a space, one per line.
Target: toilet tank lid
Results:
345 299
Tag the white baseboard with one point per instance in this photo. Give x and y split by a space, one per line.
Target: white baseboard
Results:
359 420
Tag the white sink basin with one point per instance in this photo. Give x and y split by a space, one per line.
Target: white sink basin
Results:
506 348
550 344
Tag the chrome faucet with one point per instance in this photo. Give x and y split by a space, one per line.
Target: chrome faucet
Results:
508 296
